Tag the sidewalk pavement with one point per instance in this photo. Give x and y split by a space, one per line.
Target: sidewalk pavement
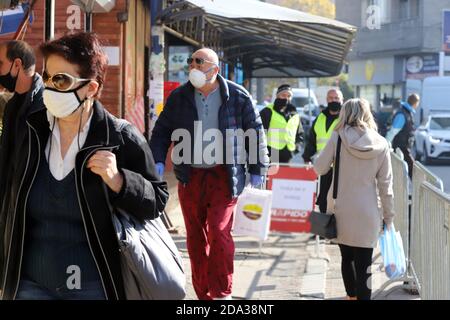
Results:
286 267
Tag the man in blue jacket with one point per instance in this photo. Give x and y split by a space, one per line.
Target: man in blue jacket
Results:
208 112
401 134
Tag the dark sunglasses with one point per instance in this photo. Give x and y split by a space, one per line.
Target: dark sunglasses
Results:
62 81
198 61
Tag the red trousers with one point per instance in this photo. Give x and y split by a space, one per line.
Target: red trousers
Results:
208 209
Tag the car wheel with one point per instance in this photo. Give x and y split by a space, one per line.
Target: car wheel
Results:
424 158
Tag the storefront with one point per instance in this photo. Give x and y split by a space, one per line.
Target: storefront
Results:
378 80
124 28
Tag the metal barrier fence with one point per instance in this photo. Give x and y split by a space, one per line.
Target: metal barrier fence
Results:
432 266
420 175
401 198
423 223
401 220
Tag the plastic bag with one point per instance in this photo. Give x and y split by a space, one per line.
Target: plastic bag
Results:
252 215
391 246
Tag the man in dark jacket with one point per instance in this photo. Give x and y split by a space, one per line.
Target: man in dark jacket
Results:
206 112
17 75
282 122
321 131
401 134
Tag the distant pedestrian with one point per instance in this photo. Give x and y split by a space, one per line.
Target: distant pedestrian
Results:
318 137
365 174
401 134
283 125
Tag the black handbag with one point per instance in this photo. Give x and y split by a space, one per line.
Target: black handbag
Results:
324 224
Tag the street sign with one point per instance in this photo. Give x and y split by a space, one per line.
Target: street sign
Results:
294 194
421 66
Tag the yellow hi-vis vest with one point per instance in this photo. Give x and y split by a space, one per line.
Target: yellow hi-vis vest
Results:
322 135
282 133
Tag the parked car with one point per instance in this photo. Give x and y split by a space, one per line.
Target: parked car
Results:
432 139
300 98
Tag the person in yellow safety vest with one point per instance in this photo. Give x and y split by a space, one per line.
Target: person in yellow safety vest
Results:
320 133
283 125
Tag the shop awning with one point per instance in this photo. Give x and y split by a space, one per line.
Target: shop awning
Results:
269 40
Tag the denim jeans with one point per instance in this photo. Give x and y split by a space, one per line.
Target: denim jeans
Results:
30 290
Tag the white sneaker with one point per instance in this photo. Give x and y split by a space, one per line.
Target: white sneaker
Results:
224 298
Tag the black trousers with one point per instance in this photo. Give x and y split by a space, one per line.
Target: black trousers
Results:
356 273
280 156
325 184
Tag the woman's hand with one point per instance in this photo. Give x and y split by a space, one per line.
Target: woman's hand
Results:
104 164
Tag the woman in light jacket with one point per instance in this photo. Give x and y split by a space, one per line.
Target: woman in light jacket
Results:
365 196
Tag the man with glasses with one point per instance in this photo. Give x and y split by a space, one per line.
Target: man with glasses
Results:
17 75
209 186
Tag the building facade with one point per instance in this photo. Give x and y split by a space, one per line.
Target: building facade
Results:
398 44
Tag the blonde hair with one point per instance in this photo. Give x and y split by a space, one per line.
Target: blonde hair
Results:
356 113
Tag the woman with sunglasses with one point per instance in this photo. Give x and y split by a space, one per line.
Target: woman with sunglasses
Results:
81 159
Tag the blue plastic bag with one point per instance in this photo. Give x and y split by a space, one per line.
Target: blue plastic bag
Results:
391 246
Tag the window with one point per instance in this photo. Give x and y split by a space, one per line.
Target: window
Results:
408 9
414 8
386 96
403 12
440 123
178 68
383 7
370 94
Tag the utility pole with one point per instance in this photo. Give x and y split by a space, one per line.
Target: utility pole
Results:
49 19
157 65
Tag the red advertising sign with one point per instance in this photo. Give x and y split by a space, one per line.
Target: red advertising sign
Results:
293 197
169 86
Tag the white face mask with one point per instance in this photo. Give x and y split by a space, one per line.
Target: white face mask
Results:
61 104
198 78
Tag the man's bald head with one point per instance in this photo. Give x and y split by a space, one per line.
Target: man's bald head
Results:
206 61
335 95
207 54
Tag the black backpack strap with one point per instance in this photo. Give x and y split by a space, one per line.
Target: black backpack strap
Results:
336 167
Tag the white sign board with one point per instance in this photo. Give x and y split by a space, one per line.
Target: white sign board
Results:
293 194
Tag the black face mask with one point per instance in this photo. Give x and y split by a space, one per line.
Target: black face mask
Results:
8 81
279 104
334 106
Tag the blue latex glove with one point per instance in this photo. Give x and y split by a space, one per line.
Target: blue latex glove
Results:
160 169
256 180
